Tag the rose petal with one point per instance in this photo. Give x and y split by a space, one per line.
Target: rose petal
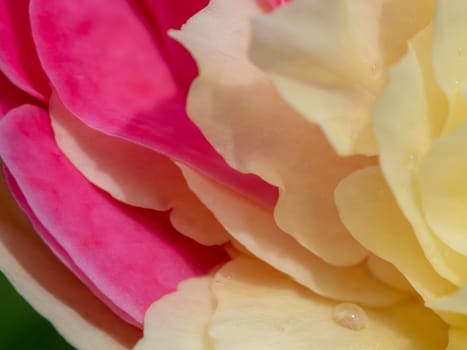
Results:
11 96
172 14
400 21
52 289
327 58
130 256
324 59
387 273
110 72
449 46
134 174
180 320
242 115
18 57
261 309
370 212
408 114
443 189
457 339
255 229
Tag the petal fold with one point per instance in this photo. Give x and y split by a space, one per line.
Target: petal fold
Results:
84 320
18 56
130 257
110 71
180 320
261 309
254 228
133 174
242 115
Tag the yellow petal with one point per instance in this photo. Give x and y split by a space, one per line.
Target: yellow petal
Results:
450 45
457 339
134 175
400 20
443 188
324 58
369 210
454 303
261 309
179 320
255 229
53 290
242 115
387 273
408 115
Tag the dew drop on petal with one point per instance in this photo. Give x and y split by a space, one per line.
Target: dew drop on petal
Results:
350 316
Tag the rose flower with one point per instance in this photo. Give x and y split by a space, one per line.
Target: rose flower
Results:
289 178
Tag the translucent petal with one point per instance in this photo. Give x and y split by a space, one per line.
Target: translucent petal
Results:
443 188
369 210
408 115
260 309
255 229
242 115
84 320
133 174
180 320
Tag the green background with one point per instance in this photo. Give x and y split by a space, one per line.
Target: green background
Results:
22 328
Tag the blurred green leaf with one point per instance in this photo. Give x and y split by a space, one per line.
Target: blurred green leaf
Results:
21 327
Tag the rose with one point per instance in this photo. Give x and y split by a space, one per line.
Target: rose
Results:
295 245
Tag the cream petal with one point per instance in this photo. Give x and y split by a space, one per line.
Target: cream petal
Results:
443 188
401 20
53 290
450 58
454 303
133 174
242 115
255 229
450 46
261 309
370 212
408 115
325 60
180 320
388 273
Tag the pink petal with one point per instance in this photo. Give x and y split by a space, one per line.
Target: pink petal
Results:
11 96
128 255
111 72
18 57
172 14
53 290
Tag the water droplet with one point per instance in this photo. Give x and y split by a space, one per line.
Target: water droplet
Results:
350 316
457 82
